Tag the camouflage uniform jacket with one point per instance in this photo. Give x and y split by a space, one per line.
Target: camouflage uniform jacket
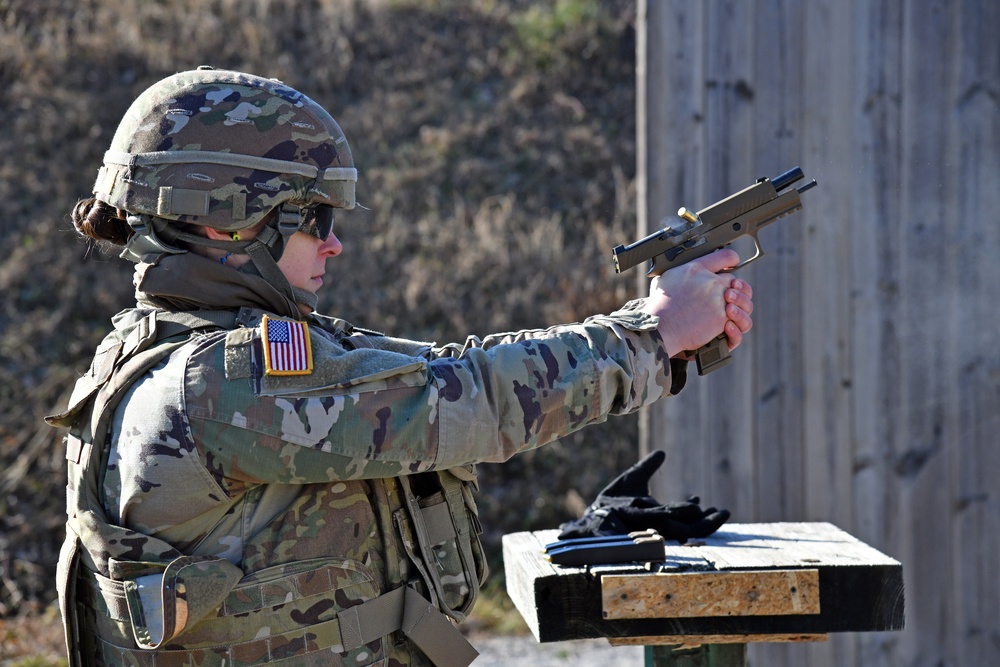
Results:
292 497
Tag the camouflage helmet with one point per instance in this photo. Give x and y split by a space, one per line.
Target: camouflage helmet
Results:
221 149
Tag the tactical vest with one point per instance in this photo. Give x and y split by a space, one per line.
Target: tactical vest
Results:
129 598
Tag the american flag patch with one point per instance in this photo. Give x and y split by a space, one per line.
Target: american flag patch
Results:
287 350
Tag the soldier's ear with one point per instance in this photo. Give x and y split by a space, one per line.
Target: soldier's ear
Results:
217 235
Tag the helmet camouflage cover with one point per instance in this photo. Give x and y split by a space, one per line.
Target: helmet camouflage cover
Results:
222 149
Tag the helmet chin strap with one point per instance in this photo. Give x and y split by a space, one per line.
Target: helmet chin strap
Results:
262 264
264 253
307 299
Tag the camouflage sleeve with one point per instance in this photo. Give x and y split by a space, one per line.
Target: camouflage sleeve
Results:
370 413
628 318
562 379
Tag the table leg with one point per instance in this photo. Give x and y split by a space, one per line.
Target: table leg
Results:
706 655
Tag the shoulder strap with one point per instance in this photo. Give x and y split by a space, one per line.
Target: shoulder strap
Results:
175 323
89 418
109 365
91 540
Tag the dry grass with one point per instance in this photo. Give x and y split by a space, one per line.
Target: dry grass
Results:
495 142
32 640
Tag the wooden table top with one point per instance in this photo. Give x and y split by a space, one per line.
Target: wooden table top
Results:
747 582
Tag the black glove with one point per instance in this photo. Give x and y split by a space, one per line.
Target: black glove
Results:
625 506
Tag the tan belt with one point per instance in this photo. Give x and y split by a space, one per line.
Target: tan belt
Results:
400 609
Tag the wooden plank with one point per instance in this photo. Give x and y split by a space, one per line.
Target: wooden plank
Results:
875 284
700 640
669 110
860 589
874 271
788 544
974 155
826 258
522 572
692 91
671 147
781 332
921 483
727 165
741 593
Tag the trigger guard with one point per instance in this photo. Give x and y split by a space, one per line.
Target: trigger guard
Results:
757 255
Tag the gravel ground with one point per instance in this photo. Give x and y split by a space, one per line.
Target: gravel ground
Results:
505 651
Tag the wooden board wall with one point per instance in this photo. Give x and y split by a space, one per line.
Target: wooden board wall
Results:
868 393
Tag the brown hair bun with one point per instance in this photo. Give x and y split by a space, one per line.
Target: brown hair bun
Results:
101 222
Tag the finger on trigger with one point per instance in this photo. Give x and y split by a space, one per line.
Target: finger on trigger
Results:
720 260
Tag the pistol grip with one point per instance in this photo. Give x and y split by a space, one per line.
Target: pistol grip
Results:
713 356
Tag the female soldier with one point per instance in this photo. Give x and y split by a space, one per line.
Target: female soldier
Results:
251 482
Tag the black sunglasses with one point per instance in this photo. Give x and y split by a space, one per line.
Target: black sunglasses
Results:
317 220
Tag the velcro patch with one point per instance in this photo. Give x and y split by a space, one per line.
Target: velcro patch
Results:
287 348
